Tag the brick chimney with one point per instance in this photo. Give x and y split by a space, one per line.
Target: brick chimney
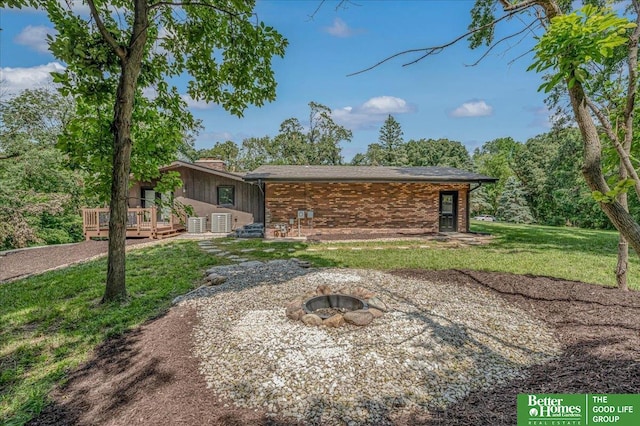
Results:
212 163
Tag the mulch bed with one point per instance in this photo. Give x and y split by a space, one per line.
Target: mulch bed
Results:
150 377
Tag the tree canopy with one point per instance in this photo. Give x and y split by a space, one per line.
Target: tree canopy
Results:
124 47
40 194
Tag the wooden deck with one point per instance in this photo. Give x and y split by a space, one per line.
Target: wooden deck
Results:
141 223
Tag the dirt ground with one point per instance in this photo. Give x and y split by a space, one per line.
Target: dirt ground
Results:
149 376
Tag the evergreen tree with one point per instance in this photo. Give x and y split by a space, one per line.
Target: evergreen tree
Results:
391 144
512 204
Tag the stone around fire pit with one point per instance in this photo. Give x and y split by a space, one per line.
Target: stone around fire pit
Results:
335 309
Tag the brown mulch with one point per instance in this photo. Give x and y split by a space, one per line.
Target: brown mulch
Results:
23 263
149 376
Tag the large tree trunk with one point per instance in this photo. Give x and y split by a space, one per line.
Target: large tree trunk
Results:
122 144
622 266
592 169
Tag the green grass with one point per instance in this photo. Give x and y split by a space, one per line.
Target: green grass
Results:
50 323
569 253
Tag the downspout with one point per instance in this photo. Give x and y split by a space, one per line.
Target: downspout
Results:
259 184
264 205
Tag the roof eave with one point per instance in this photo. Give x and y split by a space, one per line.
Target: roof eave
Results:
178 164
363 180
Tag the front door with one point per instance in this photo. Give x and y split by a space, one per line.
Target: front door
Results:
448 211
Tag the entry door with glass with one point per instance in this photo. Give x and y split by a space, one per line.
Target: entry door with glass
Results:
448 211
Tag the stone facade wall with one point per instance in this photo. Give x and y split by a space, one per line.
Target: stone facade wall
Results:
359 207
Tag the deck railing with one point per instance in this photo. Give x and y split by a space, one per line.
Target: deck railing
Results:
141 222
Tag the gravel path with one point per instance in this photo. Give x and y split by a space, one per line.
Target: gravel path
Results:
23 263
437 344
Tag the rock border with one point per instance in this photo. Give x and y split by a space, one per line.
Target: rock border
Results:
360 317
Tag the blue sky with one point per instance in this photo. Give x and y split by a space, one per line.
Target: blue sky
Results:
440 97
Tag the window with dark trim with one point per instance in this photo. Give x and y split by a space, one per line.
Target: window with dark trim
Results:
226 195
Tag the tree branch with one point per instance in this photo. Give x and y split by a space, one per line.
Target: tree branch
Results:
632 83
622 153
192 3
432 50
551 7
484 55
117 48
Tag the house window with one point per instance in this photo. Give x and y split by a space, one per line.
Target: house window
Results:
226 195
148 198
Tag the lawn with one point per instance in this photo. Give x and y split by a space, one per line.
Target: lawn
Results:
569 253
49 324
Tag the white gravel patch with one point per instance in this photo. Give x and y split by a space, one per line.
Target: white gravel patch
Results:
438 343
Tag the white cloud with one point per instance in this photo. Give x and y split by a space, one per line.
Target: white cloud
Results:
472 109
34 37
371 113
339 29
14 80
385 105
192 103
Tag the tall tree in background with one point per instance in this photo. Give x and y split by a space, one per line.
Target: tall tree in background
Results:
124 46
324 136
392 150
494 159
440 152
319 145
226 151
512 204
39 195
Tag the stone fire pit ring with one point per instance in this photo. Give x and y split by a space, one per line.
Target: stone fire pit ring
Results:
325 307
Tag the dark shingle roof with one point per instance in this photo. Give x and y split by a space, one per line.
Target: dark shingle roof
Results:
364 174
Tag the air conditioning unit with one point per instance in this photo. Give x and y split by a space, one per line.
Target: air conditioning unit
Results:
221 222
196 225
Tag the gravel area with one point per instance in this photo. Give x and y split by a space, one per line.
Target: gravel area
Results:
18 264
436 345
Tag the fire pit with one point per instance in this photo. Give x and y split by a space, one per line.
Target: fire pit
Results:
325 307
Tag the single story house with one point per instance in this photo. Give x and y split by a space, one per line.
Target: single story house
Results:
304 200
308 200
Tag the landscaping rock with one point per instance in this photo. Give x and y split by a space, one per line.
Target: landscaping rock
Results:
376 312
216 279
334 321
376 303
359 317
295 315
323 289
311 319
362 293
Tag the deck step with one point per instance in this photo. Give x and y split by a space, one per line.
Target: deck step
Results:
168 233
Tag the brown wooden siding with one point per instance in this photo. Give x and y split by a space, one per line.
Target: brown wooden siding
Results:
202 186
